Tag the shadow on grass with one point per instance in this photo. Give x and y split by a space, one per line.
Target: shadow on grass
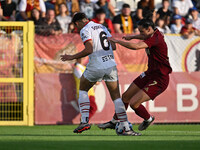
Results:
54 135
95 135
98 145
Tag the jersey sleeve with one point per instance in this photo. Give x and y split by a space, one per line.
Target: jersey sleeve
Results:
85 36
150 41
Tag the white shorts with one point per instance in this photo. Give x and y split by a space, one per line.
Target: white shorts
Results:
109 74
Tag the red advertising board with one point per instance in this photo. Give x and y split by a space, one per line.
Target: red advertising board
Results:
179 103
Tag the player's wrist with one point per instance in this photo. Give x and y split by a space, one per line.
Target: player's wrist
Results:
73 57
118 41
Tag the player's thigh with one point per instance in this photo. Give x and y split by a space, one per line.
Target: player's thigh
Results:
113 88
130 92
136 86
110 74
139 98
85 84
93 74
112 83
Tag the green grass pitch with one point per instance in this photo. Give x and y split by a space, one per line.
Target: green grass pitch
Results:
61 137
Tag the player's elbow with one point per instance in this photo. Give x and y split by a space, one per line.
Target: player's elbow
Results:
89 51
137 46
134 47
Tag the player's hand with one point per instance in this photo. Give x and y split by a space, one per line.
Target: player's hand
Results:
66 57
112 39
128 38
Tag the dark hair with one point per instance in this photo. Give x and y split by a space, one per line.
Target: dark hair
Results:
125 6
78 16
100 11
145 23
63 4
164 1
50 9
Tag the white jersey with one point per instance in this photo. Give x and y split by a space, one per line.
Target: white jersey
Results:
102 56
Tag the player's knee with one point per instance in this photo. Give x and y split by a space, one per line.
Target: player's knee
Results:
83 94
125 98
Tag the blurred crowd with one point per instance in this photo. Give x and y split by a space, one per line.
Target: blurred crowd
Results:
53 17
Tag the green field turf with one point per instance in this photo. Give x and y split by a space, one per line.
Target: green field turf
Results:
157 137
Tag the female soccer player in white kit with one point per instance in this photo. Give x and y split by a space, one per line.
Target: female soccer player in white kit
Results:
101 66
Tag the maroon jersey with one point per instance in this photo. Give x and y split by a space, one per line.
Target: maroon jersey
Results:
158 61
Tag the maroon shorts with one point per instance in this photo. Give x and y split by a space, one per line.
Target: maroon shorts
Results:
152 84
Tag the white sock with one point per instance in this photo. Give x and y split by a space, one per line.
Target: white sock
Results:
114 121
121 113
84 106
150 119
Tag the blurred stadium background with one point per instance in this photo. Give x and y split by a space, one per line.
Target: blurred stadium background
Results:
36 88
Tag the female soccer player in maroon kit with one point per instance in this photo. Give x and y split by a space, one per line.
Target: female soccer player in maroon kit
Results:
150 83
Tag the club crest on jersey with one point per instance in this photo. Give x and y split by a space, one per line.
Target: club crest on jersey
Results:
83 36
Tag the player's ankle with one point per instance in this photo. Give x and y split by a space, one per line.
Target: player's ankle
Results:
84 119
150 119
114 121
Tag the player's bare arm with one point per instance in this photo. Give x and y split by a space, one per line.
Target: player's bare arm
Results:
133 46
113 45
87 51
130 37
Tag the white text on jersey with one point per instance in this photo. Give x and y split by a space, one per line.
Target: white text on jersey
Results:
96 27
